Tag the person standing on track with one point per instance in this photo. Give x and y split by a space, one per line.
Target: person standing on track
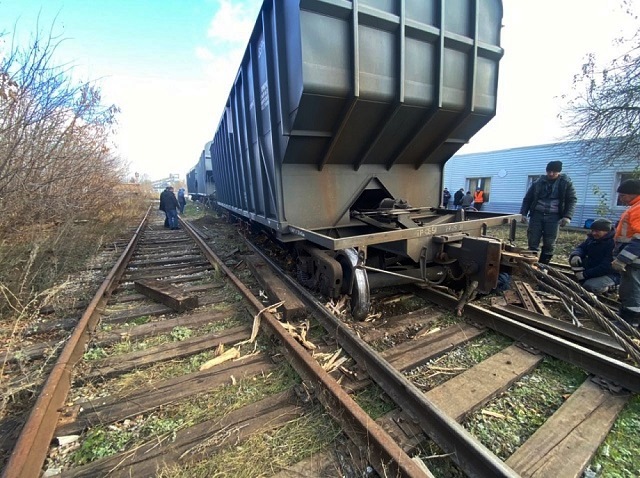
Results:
627 252
169 204
163 200
446 196
457 198
181 200
550 203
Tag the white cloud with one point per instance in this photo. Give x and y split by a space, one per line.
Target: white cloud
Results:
165 123
203 53
233 21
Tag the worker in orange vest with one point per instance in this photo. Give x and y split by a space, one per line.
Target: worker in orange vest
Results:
478 199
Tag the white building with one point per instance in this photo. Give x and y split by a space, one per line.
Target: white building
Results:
506 175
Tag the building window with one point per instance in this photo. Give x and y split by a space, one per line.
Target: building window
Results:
620 177
482 183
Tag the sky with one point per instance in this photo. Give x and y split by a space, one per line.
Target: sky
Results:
169 66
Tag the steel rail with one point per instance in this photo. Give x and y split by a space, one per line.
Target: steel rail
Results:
467 452
581 335
594 362
386 456
30 452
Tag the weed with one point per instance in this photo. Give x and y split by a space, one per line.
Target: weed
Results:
526 406
266 453
100 443
618 456
95 353
180 333
374 401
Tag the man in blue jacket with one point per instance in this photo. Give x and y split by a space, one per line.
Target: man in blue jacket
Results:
591 260
550 203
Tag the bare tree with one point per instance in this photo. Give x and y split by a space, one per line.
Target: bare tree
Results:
57 167
604 110
54 139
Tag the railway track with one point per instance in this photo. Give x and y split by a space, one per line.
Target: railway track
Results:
404 352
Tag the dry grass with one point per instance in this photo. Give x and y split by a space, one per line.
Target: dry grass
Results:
264 454
45 268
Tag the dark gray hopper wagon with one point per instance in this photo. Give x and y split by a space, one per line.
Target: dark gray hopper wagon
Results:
337 128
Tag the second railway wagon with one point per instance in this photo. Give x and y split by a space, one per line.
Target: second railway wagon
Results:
200 183
337 128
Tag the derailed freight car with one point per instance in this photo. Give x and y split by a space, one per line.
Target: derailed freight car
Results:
337 128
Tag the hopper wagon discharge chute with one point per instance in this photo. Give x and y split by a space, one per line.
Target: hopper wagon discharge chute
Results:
336 131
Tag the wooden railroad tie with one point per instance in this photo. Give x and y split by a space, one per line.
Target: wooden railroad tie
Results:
167 294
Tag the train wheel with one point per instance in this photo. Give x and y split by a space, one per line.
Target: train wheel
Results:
358 283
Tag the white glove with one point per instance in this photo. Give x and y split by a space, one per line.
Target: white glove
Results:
618 266
564 221
580 275
575 261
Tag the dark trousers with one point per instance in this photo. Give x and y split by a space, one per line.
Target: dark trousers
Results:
543 226
629 293
172 217
478 205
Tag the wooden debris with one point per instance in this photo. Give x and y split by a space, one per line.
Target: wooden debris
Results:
167 294
494 414
231 354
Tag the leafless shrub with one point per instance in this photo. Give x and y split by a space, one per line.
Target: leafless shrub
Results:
57 165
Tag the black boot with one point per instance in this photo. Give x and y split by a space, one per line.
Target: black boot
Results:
545 258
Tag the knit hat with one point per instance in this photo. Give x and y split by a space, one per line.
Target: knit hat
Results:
555 166
601 225
630 186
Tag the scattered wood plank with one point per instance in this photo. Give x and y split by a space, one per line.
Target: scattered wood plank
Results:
122 298
167 294
276 289
567 441
372 331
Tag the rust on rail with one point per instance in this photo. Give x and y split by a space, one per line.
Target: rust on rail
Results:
31 448
386 456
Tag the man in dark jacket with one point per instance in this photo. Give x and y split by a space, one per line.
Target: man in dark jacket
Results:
169 204
467 201
550 203
457 198
163 199
591 260
446 196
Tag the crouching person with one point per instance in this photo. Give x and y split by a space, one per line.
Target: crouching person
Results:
591 260
627 251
